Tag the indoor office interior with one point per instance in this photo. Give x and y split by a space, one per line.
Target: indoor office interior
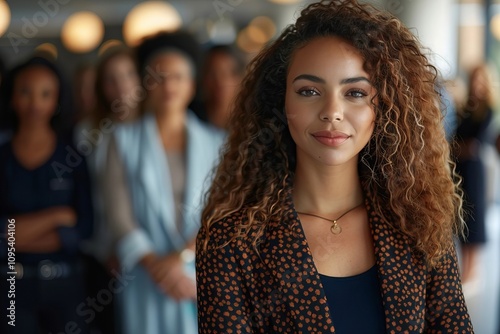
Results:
97 55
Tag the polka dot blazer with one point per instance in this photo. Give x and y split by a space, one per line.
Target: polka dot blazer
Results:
278 289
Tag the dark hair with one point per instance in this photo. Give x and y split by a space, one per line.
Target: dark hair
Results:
181 41
9 116
405 168
229 51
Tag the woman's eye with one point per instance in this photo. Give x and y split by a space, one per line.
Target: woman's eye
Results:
307 92
356 93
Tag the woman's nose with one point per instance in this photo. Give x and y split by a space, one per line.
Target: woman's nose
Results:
332 110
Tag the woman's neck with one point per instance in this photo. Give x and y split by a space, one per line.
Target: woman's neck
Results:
126 114
326 190
34 134
172 129
33 144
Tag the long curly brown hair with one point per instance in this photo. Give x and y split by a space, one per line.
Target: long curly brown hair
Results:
407 162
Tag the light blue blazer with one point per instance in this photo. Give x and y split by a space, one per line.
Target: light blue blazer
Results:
147 309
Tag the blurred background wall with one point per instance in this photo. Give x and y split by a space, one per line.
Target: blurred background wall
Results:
460 32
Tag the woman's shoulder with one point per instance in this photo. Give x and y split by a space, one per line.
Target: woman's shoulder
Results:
5 136
5 145
202 128
135 124
225 227
230 230
127 136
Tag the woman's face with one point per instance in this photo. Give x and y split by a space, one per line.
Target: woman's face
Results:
328 102
120 79
35 94
174 87
479 84
221 78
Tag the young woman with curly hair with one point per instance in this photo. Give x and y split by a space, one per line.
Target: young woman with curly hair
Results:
335 206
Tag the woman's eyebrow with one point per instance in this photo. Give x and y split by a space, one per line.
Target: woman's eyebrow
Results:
310 77
354 80
317 79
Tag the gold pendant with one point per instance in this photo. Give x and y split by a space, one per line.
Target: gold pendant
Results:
335 228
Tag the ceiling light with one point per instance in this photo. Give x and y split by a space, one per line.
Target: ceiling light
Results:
82 32
4 17
149 18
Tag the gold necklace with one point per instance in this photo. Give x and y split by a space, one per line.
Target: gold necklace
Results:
335 228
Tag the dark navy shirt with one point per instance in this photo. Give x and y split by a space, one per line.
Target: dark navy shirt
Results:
63 180
355 303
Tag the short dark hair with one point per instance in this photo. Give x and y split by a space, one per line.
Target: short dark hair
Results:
230 51
181 41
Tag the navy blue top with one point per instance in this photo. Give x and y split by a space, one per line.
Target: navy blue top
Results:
355 303
63 180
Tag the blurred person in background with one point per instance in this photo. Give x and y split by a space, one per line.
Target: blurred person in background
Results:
118 86
221 77
84 80
156 174
44 187
117 82
471 135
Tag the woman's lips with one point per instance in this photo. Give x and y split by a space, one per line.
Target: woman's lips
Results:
330 138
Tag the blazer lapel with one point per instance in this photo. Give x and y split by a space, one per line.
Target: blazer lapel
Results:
401 275
290 261
154 175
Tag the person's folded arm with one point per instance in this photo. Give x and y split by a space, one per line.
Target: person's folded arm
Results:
37 232
72 236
